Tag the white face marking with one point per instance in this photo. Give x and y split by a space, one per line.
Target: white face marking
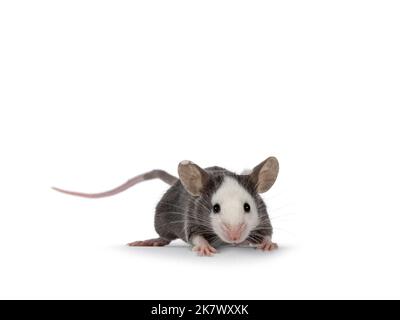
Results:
233 224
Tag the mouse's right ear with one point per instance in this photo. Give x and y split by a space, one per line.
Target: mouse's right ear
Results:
192 177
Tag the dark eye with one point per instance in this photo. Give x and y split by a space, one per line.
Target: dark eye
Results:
246 207
216 208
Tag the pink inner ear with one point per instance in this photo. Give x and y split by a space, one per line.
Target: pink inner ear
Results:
192 177
267 174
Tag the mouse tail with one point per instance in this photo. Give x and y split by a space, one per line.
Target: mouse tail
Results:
155 174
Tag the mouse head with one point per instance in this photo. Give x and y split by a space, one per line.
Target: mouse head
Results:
230 202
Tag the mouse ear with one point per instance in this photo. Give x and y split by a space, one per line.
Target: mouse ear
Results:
192 177
265 174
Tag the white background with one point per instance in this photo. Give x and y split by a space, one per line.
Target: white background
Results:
95 92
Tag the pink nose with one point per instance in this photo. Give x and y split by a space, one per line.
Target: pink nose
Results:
233 232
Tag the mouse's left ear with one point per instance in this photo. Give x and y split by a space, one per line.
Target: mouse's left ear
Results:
265 174
192 177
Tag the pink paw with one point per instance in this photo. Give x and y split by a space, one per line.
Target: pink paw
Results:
204 250
267 245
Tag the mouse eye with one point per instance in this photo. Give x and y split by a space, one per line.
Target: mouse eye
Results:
246 207
216 208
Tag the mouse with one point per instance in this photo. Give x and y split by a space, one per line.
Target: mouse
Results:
208 207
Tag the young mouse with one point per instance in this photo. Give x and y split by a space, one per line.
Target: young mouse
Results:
209 207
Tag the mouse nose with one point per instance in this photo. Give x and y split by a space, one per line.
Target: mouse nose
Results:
233 232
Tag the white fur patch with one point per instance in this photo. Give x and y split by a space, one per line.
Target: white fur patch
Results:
231 197
247 171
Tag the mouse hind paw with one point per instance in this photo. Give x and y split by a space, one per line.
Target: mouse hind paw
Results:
157 242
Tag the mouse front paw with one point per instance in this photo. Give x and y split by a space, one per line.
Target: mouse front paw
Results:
204 250
202 246
267 245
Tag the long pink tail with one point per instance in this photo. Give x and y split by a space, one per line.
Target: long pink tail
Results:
155 174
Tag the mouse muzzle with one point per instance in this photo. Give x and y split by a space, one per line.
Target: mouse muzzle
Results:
234 233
